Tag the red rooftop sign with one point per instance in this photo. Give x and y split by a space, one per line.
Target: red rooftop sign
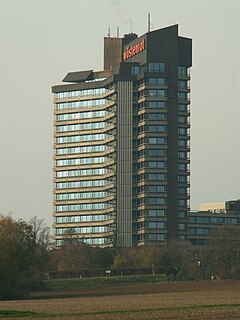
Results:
133 50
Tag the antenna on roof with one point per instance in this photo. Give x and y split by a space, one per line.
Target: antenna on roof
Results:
117 32
149 22
109 29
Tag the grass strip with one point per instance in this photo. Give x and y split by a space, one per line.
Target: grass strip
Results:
88 283
17 314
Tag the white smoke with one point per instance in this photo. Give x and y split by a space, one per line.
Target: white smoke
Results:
122 13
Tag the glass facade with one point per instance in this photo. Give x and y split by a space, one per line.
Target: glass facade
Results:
151 139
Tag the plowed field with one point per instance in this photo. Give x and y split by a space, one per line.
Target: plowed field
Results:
181 300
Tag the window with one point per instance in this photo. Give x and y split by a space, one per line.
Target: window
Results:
182 202
157 189
156 225
156 237
157 116
182 131
182 107
156 81
157 164
182 190
182 84
182 155
157 176
182 214
181 226
157 201
182 178
182 71
135 70
232 220
182 143
156 67
159 140
160 128
157 213
156 93
182 119
182 166
157 104
182 237
157 152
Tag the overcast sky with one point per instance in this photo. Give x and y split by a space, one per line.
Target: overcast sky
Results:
42 40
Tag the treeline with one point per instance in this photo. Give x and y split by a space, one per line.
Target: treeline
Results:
27 256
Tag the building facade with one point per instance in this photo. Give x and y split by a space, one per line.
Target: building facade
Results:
201 225
121 144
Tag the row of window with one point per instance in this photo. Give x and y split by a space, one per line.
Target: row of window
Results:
80 104
80 195
78 161
162 177
157 201
85 218
82 207
80 184
80 115
199 231
88 137
77 173
90 241
89 149
151 67
214 220
77 93
82 126
80 230
162 189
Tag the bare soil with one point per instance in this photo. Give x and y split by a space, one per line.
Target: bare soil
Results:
200 300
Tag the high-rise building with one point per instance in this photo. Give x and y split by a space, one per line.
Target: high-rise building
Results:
121 160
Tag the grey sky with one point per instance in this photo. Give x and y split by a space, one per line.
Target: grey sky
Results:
41 40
